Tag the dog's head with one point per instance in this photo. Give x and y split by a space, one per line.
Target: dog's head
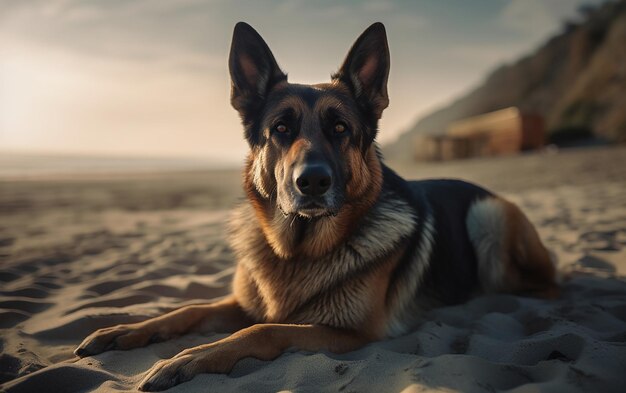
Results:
310 145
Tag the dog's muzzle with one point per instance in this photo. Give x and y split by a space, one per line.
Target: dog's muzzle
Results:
313 183
313 180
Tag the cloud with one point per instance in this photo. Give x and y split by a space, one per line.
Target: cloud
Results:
529 17
148 30
538 18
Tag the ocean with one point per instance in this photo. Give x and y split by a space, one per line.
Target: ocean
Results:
32 165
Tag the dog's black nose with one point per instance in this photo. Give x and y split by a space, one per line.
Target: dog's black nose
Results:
313 179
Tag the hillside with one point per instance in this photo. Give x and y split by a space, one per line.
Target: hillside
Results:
577 81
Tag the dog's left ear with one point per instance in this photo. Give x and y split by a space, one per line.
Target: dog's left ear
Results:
366 69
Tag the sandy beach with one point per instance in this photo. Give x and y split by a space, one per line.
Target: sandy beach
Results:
83 252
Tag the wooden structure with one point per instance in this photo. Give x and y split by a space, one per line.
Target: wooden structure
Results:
503 132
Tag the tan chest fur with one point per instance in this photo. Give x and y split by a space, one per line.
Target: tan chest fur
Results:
345 288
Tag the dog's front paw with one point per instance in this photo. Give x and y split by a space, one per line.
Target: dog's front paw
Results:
167 373
115 337
211 358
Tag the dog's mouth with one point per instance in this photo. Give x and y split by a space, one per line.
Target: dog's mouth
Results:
315 212
311 211
308 207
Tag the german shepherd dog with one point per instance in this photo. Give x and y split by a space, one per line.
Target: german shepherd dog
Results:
334 249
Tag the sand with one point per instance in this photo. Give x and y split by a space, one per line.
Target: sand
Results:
80 253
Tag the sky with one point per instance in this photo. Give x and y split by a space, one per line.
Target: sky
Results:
150 77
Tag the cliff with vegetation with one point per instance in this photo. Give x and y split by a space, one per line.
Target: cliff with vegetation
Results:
577 81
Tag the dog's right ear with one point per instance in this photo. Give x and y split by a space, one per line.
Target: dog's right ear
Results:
253 71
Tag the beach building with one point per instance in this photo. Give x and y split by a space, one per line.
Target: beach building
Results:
503 132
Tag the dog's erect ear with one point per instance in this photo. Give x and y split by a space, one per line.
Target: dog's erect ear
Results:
366 69
253 70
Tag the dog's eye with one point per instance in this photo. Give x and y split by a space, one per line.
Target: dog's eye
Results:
281 128
340 128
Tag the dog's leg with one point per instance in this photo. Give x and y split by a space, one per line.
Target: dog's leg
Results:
225 315
262 341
